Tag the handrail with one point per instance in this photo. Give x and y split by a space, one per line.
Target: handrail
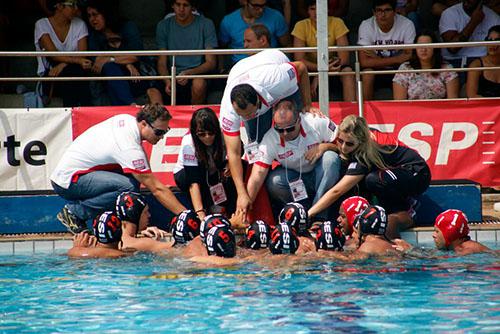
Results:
174 53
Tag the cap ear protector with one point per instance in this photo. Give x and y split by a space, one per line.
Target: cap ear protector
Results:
372 220
129 206
107 228
210 221
295 215
220 241
283 240
453 224
329 236
257 235
352 207
185 227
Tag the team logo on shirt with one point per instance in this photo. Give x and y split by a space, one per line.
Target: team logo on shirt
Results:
226 123
285 155
312 145
291 73
353 165
190 157
332 126
139 164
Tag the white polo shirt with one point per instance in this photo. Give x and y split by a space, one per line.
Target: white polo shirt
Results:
270 73
290 154
187 155
112 145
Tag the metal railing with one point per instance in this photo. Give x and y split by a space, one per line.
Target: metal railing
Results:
357 72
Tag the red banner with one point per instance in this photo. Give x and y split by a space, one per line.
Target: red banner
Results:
459 139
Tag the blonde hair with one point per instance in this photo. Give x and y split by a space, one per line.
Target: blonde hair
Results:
368 150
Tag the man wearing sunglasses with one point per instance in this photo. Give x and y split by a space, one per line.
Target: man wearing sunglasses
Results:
108 159
303 145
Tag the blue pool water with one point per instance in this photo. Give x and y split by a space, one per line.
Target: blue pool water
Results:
48 293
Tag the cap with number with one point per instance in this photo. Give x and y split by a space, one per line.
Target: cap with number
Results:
257 235
283 240
295 215
185 227
107 227
129 206
352 207
453 224
220 241
329 236
210 221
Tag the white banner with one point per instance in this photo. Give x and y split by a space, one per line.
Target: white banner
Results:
32 143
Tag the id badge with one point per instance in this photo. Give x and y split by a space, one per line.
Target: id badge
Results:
253 152
218 194
298 190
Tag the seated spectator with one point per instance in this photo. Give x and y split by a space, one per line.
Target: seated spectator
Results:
385 27
439 6
201 166
110 34
185 31
409 8
63 31
304 34
234 24
257 36
337 8
467 21
423 86
486 83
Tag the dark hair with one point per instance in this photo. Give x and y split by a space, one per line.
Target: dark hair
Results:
309 3
260 30
108 9
191 2
205 119
495 29
391 3
152 112
287 105
243 95
437 58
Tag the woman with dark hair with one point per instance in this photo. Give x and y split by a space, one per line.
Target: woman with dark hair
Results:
201 166
391 171
486 83
64 31
109 33
425 85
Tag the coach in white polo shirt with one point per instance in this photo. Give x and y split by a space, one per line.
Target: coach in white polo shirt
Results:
302 144
108 159
254 85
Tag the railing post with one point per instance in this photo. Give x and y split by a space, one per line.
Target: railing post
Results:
322 55
359 85
173 87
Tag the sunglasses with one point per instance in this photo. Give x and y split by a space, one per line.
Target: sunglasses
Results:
347 143
205 134
158 132
288 129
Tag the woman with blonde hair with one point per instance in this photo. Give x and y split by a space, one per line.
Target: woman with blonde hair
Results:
391 171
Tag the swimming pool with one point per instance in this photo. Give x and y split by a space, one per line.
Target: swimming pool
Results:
48 293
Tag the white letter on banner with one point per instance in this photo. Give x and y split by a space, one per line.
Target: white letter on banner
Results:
446 143
422 147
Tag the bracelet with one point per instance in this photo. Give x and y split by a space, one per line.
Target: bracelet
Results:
201 210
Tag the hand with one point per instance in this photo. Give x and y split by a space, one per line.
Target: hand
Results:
334 64
313 154
401 245
243 203
183 82
56 70
83 239
313 110
99 63
85 63
238 221
133 71
154 232
314 87
477 15
168 87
